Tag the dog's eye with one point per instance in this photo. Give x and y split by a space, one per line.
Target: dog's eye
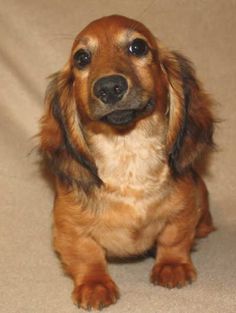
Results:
138 47
82 58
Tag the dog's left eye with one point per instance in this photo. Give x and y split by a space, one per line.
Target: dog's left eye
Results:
138 47
82 58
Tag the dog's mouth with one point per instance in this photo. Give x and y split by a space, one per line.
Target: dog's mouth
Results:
121 118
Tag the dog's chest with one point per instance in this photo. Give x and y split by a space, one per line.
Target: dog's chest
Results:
134 173
128 161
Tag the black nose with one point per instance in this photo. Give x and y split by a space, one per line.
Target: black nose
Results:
110 89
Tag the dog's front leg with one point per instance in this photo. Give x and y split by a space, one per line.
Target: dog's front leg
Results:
85 261
173 266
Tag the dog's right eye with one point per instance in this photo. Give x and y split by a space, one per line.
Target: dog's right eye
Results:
82 58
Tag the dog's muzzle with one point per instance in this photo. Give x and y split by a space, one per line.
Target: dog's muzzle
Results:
120 107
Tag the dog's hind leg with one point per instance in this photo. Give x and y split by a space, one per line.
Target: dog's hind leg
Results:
205 225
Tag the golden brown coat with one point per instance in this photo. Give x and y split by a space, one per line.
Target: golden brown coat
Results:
122 188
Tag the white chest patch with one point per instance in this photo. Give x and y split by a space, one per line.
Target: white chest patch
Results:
134 171
132 160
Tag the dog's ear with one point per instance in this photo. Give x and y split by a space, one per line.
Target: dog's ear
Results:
191 122
62 137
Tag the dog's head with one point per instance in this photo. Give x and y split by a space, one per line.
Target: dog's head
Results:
117 75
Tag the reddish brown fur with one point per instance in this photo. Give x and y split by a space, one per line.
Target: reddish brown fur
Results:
119 191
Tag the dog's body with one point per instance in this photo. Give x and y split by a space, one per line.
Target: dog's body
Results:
126 123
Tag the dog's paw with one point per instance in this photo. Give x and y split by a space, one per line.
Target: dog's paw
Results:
173 274
96 293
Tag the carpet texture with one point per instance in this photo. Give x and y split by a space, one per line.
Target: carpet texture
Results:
36 37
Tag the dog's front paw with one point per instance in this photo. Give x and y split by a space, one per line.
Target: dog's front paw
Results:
95 293
173 274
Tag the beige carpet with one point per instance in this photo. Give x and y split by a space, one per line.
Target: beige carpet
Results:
35 38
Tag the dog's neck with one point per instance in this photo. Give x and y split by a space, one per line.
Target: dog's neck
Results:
131 159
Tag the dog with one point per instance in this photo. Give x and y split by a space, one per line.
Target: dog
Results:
127 124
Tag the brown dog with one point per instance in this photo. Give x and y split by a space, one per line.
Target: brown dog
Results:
126 123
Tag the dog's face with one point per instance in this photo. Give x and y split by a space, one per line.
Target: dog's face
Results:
118 78
118 75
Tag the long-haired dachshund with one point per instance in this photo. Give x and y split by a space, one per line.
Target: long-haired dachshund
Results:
126 125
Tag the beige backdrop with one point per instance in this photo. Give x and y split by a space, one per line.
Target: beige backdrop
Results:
35 39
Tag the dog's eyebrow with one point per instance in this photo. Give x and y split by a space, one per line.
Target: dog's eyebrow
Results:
88 42
128 35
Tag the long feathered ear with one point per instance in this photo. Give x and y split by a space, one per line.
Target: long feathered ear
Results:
191 122
62 138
